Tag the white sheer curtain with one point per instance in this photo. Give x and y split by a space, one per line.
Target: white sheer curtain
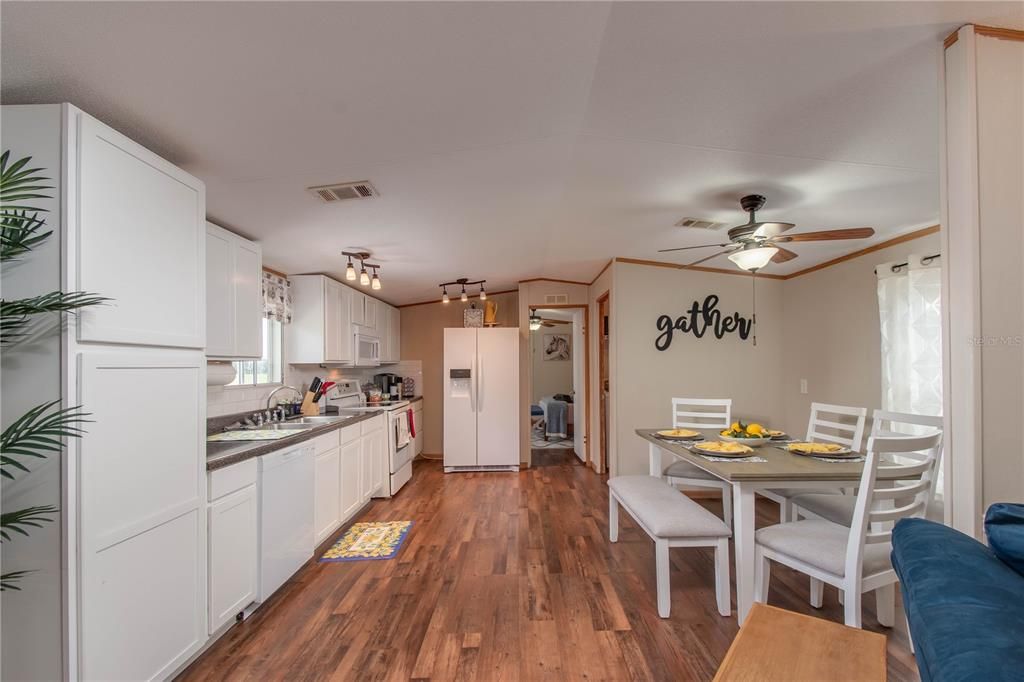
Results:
909 309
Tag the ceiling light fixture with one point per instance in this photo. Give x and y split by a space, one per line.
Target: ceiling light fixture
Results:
753 258
364 276
462 282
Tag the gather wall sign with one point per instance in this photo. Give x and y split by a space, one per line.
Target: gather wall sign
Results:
699 320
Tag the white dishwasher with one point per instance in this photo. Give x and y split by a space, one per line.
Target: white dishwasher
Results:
286 515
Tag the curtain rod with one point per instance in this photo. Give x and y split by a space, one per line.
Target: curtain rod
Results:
896 267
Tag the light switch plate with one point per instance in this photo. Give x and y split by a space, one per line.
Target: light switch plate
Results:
803 386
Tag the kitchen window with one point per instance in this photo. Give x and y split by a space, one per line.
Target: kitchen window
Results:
268 369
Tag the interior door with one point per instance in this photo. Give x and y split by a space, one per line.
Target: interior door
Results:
460 418
497 399
579 395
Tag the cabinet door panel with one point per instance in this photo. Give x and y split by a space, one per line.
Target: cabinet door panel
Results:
370 312
141 242
350 497
220 328
358 308
233 555
248 280
333 300
417 419
327 495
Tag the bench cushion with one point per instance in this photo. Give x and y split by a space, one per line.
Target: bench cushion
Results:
665 511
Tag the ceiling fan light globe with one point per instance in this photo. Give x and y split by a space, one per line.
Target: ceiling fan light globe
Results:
753 259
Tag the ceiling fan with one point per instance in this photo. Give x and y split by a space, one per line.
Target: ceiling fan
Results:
753 245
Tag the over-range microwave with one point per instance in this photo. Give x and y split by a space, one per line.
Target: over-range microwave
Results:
367 350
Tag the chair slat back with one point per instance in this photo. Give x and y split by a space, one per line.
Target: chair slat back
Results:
898 424
847 432
701 413
880 504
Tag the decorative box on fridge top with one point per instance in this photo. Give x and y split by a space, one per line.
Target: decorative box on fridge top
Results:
473 317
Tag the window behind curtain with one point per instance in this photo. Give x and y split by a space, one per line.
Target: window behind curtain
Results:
268 369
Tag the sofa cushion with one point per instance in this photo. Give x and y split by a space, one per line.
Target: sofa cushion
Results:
965 606
1004 526
665 511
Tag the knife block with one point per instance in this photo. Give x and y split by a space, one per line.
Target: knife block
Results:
309 408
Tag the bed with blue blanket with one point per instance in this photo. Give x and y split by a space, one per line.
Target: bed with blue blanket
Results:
555 417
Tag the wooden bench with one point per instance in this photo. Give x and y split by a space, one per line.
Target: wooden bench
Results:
672 520
775 645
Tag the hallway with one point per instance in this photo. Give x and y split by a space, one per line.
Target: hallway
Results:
503 576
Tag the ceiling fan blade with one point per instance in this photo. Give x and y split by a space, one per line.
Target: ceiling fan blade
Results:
716 255
685 248
827 235
783 255
769 230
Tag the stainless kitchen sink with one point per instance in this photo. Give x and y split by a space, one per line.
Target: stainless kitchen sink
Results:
287 426
322 419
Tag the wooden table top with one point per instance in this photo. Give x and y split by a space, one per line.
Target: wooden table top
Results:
775 644
782 465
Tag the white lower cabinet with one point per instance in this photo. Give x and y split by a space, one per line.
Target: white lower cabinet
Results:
417 420
233 554
327 516
374 468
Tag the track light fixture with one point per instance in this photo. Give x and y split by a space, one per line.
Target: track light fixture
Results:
364 276
462 282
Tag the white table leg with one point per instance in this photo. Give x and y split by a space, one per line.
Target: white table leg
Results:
743 533
655 454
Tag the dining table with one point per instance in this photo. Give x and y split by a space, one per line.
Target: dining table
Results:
769 466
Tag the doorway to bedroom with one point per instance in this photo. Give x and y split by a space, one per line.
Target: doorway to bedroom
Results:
558 362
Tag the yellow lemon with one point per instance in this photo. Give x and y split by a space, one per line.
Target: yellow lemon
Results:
755 429
735 427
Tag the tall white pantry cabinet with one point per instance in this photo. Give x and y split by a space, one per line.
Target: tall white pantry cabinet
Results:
132 228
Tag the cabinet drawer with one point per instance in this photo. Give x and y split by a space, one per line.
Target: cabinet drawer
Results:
349 434
372 424
326 442
231 478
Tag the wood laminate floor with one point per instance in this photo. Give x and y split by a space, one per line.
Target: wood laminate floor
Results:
505 577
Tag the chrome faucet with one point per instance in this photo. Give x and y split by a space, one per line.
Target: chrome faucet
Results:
281 388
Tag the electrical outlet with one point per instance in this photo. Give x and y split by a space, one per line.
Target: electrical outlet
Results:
803 386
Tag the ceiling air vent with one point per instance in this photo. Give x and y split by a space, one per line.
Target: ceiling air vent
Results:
556 299
347 190
700 224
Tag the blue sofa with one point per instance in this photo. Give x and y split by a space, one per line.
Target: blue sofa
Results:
964 604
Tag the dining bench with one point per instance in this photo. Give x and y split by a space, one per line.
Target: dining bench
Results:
671 519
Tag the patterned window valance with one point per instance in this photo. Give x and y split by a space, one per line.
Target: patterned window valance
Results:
277 297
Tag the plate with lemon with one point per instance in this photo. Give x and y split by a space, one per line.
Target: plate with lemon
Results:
748 434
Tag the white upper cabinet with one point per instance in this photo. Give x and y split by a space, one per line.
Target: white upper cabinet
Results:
140 242
234 302
370 312
321 328
389 325
358 307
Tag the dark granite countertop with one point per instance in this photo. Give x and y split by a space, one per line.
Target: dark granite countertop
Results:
222 454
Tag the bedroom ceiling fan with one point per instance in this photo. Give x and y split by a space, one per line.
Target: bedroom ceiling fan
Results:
754 244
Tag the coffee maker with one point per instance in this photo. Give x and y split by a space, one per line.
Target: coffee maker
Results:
390 385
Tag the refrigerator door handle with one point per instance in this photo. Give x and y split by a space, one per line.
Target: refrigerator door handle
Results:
480 383
472 384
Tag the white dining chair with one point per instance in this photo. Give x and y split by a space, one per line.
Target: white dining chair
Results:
838 424
884 423
701 413
856 559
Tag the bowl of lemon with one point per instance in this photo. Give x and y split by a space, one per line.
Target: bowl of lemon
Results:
748 434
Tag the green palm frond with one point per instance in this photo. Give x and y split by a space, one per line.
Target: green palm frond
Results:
20 225
21 520
15 315
37 432
20 231
9 581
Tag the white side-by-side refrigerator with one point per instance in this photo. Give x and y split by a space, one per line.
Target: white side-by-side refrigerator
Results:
481 399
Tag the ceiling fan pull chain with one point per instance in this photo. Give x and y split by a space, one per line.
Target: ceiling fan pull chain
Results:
753 292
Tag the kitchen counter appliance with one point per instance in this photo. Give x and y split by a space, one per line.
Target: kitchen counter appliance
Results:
286 536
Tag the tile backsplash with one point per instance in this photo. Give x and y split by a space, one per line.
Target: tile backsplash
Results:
222 400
